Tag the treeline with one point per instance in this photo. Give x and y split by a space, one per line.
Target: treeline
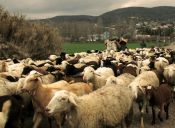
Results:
20 38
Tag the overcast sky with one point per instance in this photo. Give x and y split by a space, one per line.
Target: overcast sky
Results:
36 9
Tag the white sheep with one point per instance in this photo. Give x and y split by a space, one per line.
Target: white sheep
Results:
161 63
169 74
7 87
4 113
124 79
53 57
97 77
107 106
138 85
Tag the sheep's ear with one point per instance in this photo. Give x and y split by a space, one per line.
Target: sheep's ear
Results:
72 100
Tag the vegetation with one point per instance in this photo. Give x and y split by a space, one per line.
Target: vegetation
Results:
117 23
82 46
21 39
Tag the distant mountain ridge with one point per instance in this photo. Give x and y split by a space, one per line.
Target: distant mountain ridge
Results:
161 13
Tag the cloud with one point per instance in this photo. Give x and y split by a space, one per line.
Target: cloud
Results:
50 8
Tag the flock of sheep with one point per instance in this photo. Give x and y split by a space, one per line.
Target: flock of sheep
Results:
93 89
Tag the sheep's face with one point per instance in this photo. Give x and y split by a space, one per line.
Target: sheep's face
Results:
61 102
31 83
20 85
88 74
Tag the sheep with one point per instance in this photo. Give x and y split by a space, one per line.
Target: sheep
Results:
169 74
3 66
52 57
160 64
161 98
8 76
123 80
16 69
147 78
132 69
97 77
27 69
14 104
41 94
95 110
7 87
52 77
108 63
4 113
70 69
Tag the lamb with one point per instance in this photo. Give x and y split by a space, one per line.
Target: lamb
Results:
105 107
123 80
138 85
161 98
42 94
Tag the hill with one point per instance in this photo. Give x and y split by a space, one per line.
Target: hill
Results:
161 13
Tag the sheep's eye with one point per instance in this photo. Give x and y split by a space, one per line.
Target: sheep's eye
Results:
113 81
63 99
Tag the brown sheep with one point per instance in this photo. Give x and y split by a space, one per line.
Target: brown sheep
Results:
160 98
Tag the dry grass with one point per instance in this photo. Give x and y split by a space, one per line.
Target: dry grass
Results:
20 38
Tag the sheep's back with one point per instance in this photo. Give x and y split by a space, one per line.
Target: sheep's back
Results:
109 105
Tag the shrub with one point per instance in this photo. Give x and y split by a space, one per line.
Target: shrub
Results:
20 38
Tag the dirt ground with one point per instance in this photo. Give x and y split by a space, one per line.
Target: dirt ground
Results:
170 123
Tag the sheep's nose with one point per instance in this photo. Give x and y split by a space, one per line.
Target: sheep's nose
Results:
23 90
47 109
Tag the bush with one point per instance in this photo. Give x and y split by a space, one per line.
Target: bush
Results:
20 38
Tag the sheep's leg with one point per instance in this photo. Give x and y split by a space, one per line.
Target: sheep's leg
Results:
166 108
154 115
38 120
142 113
35 117
147 110
129 118
50 122
122 124
160 113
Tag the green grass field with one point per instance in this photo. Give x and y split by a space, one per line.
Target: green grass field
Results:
80 46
